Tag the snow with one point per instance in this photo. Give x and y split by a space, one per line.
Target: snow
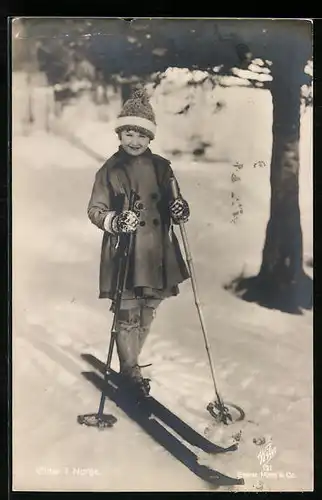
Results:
263 358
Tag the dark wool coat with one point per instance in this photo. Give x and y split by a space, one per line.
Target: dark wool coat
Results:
111 191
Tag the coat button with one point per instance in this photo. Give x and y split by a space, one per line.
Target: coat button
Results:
154 196
156 222
142 223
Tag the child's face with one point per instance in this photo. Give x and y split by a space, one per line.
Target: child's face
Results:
133 142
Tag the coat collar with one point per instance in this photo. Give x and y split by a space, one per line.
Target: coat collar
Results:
123 155
120 157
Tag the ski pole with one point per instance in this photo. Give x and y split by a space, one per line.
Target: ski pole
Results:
99 419
125 251
175 194
123 269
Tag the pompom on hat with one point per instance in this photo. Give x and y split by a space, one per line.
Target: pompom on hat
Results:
137 113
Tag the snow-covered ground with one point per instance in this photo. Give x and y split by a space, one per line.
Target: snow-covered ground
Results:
263 357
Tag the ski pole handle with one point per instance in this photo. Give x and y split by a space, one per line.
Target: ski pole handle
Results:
174 188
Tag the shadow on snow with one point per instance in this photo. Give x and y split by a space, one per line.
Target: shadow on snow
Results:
290 299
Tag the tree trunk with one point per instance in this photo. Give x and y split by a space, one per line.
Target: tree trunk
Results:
282 254
126 89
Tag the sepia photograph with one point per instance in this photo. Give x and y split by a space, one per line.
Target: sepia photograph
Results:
162 254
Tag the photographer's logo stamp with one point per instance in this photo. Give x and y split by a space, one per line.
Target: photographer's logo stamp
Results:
265 457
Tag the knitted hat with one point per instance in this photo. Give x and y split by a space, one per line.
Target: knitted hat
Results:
138 114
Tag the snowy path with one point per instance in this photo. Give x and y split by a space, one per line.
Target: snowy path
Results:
263 358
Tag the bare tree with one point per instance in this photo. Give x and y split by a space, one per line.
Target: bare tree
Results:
282 282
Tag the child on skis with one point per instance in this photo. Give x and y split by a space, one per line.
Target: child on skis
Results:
156 266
